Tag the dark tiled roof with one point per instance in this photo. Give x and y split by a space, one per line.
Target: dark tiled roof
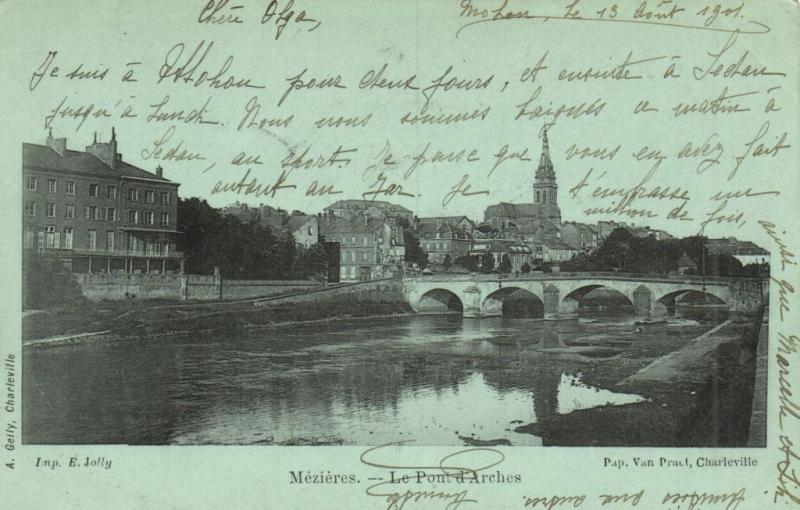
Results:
366 204
43 157
296 221
734 247
446 231
355 225
452 220
557 244
500 246
507 210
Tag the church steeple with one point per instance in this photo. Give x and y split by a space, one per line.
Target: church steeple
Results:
545 189
545 170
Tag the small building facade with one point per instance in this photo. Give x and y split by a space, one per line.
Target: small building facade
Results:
369 248
518 254
443 241
581 236
555 251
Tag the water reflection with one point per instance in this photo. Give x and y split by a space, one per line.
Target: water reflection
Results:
435 380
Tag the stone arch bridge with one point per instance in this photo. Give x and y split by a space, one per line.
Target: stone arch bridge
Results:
560 293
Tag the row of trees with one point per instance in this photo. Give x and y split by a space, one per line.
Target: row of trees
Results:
241 249
249 249
622 251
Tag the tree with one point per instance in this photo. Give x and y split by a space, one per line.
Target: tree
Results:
446 263
468 263
47 283
311 261
622 251
241 249
505 264
414 252
526 268
487 263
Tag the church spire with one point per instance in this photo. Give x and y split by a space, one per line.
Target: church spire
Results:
545 170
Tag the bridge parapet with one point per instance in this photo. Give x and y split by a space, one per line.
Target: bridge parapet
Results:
482 295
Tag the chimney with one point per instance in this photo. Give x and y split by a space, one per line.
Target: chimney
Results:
159 171
57 144
106 152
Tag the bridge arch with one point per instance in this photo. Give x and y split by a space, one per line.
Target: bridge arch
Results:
667 303
513 301
692 292
573 299
439 301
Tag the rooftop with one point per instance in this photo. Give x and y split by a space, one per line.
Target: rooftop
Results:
55 156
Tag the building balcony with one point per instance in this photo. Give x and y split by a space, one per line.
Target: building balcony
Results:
63 252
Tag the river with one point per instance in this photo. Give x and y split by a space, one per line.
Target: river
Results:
434 380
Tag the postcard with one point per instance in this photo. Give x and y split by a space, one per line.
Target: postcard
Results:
454 254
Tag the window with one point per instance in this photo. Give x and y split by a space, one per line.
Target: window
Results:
50 237
94 190
112 192
165 198
133 194
148 218
29 236
30 184
51 210
51 186
150 196
91 212
133 217
110 241
164 219
30 208
366 240
133 244
111 214
69 187
92 240
68 238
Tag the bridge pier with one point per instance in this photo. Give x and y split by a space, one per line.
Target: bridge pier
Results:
642 302
551 300
471 301
475 307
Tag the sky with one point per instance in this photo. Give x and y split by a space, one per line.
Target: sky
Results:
419 42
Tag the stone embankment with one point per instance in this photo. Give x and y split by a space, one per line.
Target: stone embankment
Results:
703 394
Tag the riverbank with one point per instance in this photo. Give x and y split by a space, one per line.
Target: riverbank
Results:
700 395
112 323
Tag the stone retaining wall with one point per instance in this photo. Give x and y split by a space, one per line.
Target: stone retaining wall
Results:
184 287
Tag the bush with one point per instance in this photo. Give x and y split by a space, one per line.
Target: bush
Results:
46 283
